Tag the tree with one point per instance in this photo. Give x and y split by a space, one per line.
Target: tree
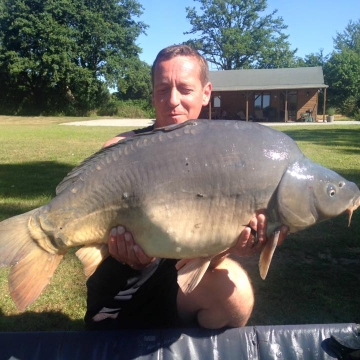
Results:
313 59
342 74
349 39
136 84
61 56
342 71
234 34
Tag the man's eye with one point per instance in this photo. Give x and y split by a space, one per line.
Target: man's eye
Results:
162 90
186 91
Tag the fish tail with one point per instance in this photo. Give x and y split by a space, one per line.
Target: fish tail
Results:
31 266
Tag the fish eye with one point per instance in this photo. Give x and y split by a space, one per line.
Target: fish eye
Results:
341 184
331 190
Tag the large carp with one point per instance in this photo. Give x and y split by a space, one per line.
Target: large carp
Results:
185 191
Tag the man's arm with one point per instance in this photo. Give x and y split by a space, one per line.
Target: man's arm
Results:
119 137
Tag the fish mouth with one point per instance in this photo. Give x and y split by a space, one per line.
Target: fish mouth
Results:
352 208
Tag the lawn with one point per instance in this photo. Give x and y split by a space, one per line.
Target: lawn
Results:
314 276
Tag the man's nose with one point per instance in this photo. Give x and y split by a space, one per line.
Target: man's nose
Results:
174 97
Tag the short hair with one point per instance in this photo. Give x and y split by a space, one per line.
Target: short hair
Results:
182 50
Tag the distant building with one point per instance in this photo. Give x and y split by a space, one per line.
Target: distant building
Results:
274 95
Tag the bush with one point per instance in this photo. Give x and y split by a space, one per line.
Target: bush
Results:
331 111
135 109
351 106
128 109
356 115
109 109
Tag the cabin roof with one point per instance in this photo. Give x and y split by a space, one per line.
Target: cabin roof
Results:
268 79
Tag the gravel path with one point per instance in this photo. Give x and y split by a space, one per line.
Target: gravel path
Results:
112 122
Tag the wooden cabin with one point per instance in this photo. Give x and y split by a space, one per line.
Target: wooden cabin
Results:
271 95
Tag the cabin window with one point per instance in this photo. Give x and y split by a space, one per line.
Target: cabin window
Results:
217 101
262 101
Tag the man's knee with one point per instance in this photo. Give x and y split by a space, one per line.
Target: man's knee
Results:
224 297
236 293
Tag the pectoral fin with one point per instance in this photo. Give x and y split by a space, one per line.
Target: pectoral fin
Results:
92 256
191 273
267 253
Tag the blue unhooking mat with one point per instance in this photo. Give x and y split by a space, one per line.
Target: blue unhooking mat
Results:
260 342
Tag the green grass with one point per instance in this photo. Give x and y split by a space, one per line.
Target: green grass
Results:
314 277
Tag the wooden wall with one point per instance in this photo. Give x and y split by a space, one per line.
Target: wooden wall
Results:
307 100
234 101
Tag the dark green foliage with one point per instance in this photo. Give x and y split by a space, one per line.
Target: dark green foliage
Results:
131 109
317 59
236 34
136 109
61 56
136 83
342 71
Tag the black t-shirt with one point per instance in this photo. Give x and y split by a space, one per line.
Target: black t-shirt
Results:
120 297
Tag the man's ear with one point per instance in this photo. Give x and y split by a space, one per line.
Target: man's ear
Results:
207 93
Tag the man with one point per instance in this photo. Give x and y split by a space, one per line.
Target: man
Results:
131 289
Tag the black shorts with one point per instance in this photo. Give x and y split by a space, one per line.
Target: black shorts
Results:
124 300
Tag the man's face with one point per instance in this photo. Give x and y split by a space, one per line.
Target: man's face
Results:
178 93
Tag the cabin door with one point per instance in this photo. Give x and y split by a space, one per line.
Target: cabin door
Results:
292 105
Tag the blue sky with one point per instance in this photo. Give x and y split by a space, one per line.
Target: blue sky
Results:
312 24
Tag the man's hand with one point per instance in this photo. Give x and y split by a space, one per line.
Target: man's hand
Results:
123 248
253 237
251 240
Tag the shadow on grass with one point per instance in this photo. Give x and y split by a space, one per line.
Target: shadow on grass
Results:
307 291
30 181
32 178
313 278
44 321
